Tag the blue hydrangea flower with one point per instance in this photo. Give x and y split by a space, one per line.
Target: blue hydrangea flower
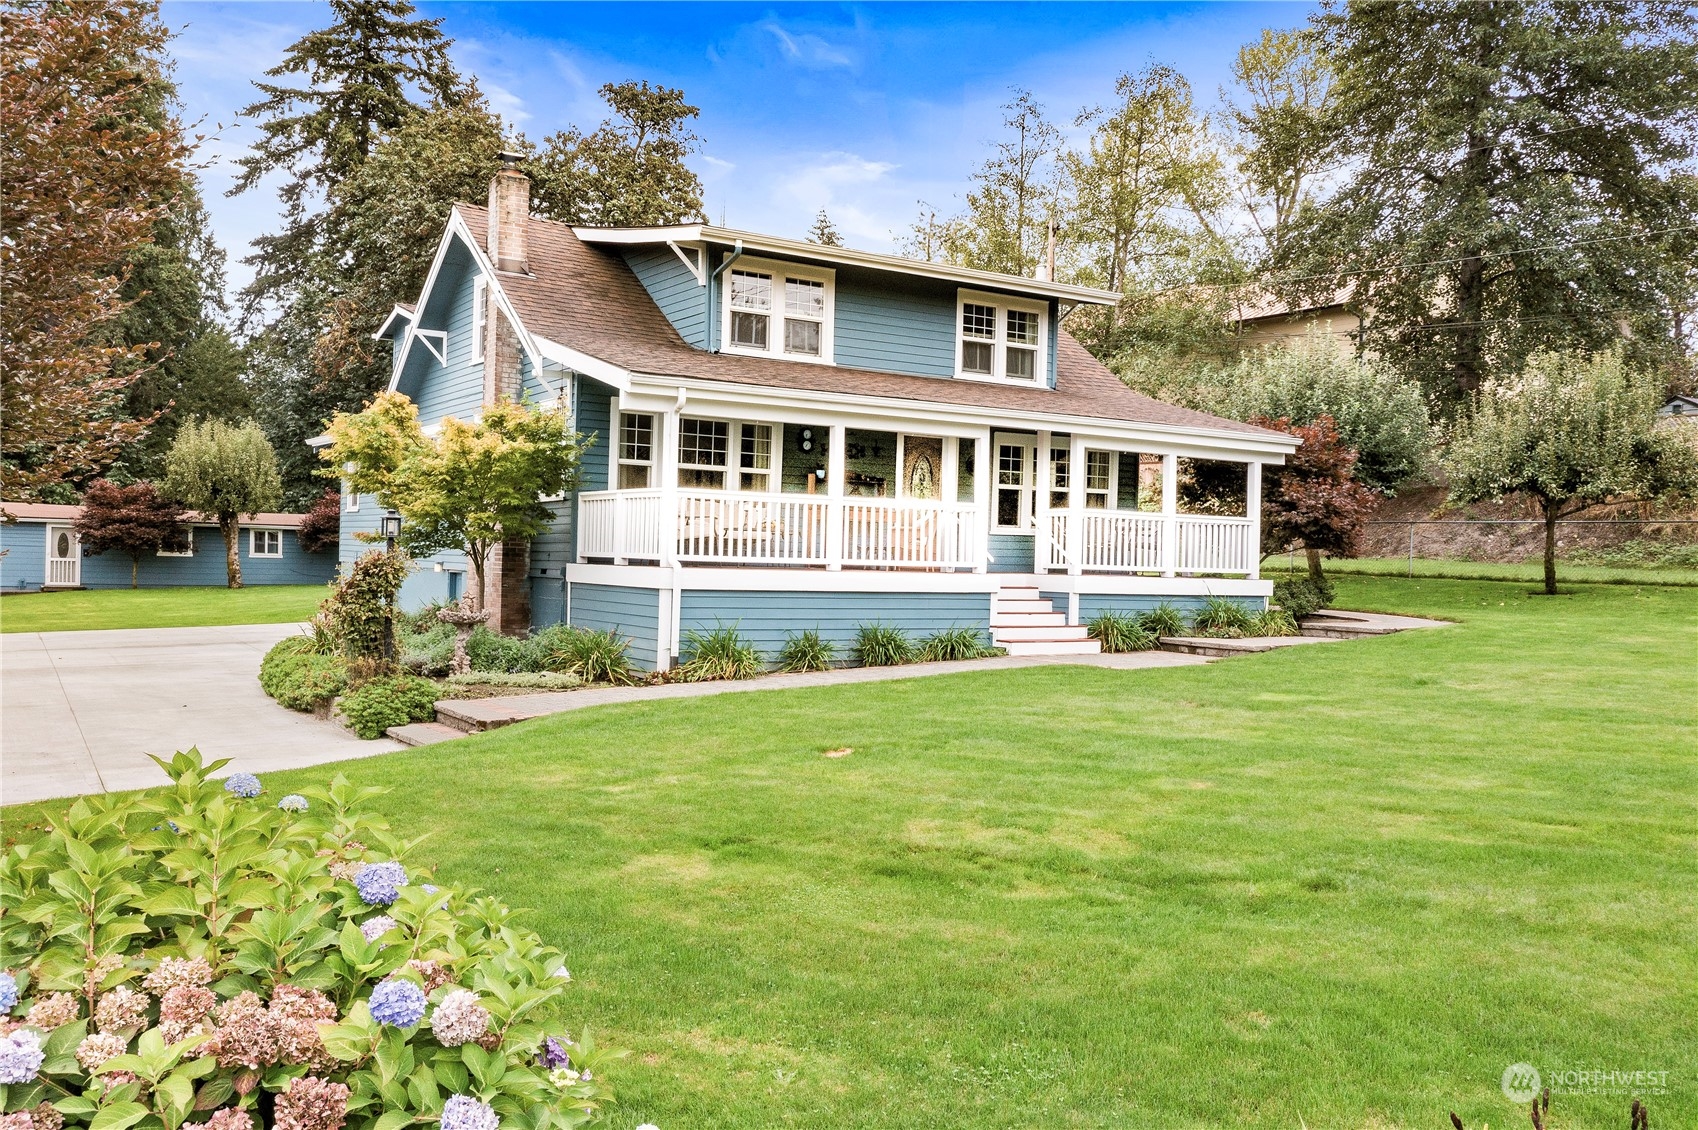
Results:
400 1004
462 1112
376 926
553 1053
294 802
20 1056
379 883
243 785
8 992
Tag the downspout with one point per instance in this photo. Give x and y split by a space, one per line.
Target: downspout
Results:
713 295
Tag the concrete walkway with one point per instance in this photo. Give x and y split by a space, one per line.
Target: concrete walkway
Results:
79 711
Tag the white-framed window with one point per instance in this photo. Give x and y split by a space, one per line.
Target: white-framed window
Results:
265 543
1060 476
188 545
636 451
480 315
754 457
775 309
1013 495
703 452
1101 475
999 338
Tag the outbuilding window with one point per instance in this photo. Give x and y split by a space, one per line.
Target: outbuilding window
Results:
265 543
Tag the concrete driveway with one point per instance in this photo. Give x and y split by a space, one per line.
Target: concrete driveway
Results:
80 711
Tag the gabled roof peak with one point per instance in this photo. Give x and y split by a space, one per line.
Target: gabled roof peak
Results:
844 256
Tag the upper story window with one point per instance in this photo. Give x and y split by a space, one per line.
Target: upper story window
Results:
778 310
999 338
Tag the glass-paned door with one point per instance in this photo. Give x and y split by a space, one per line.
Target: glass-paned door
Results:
64 556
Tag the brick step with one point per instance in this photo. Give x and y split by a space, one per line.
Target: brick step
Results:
1057 632
424 733
1025 619
1052 647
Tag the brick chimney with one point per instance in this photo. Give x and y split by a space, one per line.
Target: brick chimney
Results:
507 581
509 208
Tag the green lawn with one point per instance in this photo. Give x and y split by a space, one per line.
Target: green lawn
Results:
86 609
1334 886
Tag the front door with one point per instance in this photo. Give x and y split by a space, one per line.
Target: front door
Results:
64 557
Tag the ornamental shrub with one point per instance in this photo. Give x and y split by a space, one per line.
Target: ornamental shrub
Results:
528 680
362 606
1303 596
299 677
227 979
374 706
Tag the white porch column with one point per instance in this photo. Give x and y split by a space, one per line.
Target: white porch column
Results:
1040 507
834 471
1076 508
1253 509
1169 513
666 428
984 471
949 492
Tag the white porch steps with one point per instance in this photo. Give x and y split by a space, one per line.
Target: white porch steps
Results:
1024 623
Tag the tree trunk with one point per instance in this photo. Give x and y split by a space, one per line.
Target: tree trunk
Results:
230 527
135 567
1314 556
477 560
1551 510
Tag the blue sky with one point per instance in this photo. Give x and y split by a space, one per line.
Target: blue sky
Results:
862 109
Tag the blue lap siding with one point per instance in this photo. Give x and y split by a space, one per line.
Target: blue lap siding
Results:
631 612
24 567
765 618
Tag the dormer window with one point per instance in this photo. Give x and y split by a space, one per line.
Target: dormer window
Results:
999 338
778 310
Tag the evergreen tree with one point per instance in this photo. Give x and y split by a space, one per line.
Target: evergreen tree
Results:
1519 180
365 75
824 232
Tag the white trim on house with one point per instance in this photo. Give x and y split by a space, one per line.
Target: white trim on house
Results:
480 316
436 341
1002 343
779 275
846 256
62 571
272 536
396 311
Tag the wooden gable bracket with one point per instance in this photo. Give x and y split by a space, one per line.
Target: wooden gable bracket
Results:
437 342
692 262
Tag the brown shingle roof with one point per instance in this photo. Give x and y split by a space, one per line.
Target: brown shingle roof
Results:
587 299
55 512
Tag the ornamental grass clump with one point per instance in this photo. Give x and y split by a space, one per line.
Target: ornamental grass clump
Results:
1220 618
1120 632
806 651
1163 620
882 645
595 657
236 975
955 643
719 654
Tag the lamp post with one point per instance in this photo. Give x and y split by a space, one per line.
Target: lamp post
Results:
390 524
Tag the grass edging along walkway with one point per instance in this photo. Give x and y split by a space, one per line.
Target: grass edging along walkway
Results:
1324 886
95 609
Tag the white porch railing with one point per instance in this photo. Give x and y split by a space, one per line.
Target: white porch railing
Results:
777 529
1114 541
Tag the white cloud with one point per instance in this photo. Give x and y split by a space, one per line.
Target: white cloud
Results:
505 103
808 50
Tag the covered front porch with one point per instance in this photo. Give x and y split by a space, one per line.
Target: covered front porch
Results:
715 484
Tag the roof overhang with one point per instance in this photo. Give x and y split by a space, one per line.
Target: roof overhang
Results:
776 245
398 313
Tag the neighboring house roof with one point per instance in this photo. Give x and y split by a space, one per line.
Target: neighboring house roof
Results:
1262 306
586 299
1680 406
52 512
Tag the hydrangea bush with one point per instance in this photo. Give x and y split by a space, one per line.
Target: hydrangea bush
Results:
201 954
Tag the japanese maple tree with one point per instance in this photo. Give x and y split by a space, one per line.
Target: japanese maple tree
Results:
135 520
1314 499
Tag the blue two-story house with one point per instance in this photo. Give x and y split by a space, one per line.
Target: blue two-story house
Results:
791 436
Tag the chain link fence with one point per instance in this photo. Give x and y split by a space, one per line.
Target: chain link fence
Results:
1618 542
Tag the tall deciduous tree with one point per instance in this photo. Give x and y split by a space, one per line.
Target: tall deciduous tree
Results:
1572 431
471 486
133 520
1014 195
1314 500
87 169
628 172
224 470
1519 180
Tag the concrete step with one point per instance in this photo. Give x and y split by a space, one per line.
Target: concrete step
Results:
1000 605
453 715
424 733
1026 619
1220 649
1052 647
1040 632
1323 626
